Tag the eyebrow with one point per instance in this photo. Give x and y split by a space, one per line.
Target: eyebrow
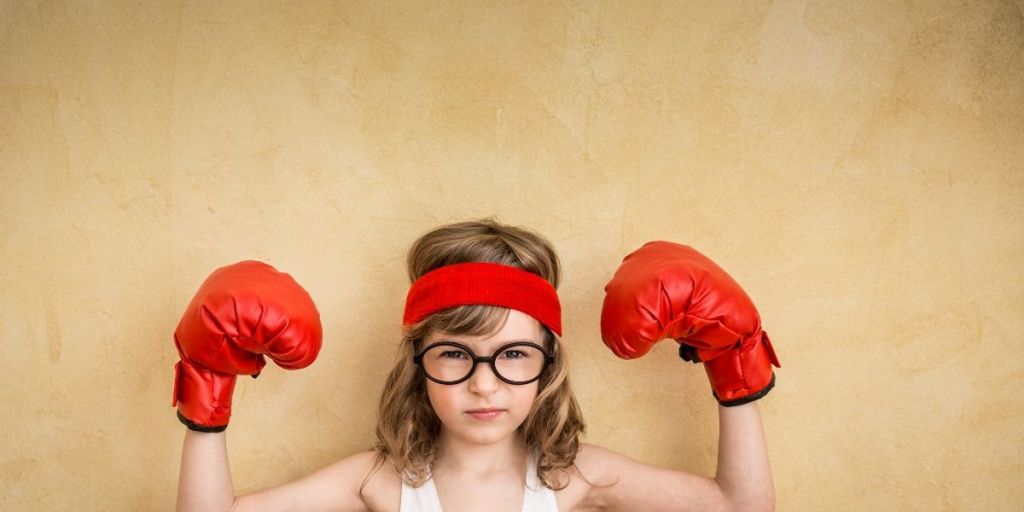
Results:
473 344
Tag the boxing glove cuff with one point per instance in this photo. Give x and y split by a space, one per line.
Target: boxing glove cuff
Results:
743 374
203 397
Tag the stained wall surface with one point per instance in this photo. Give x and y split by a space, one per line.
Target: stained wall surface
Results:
857 166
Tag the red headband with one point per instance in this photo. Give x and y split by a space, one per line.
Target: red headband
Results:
483 283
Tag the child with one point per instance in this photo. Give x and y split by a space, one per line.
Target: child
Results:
478 412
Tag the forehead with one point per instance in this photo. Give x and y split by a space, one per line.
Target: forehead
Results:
518 327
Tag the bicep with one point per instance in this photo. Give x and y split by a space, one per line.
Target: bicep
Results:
627 484
331 488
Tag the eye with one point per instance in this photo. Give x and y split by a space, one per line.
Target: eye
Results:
516 354
453 354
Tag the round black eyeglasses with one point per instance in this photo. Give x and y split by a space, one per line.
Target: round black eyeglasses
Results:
517 363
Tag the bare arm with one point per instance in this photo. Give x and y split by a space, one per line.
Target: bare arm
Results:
205 479
744 473
743 481
205 482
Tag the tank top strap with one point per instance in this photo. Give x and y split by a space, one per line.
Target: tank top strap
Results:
537 497
420 499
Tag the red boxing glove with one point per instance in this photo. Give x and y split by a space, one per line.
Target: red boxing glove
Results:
241 312
666 290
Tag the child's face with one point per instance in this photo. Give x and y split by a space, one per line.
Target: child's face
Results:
483 389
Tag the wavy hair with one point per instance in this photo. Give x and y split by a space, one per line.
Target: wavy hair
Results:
407 427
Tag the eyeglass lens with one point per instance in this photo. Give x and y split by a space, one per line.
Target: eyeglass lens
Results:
518 363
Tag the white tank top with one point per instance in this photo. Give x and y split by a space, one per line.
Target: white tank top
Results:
536 497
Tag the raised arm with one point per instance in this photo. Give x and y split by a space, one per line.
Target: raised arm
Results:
665 290
240 314
204 482
744 473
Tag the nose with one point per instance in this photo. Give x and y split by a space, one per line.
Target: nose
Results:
483 381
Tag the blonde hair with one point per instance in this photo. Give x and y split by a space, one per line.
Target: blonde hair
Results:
407 427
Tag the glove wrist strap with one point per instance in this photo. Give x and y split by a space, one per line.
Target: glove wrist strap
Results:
197 427
202 396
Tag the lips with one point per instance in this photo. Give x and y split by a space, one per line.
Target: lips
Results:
485 414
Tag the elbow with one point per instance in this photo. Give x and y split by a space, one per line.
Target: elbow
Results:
190 507
762 504
763 507
767 505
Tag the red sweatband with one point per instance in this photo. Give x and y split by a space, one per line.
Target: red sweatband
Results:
487 284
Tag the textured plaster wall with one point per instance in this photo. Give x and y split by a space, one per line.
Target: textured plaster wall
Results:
856 166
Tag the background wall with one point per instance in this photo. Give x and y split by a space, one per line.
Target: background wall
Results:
856 166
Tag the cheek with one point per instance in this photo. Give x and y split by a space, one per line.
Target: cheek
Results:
442 399
526 397
446 403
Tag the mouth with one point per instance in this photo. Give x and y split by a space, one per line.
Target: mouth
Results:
485 414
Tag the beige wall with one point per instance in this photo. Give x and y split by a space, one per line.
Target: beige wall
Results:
856 166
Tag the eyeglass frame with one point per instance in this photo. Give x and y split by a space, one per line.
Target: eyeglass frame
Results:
549 358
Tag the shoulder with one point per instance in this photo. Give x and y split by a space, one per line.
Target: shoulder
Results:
380 485
582 480
598 466
592 461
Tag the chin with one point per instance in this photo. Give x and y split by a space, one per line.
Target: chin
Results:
487 439
483 434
